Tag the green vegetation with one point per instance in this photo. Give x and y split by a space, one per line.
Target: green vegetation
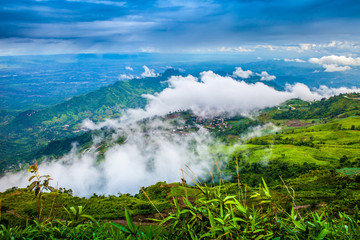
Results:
343 105
28 135
301 180
224 211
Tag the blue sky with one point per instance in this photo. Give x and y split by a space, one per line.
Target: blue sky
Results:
242 26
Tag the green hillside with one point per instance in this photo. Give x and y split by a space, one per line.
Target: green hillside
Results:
32 130
310 167
343 105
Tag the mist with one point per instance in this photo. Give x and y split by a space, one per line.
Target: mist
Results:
147 156
153 151
213 94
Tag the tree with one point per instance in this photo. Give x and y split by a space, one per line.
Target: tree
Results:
343 159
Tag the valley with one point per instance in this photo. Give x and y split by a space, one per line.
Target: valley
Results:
311 147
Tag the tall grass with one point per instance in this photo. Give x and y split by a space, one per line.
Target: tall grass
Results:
211 214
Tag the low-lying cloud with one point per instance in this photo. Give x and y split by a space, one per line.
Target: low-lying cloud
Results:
239 72
147 156
148 72
298 60
129 68
265 76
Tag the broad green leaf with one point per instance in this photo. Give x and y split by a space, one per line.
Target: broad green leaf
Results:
73 210
260 237
80 209
121 227
211 219
266 191
322 234
89 217
130 222
299 225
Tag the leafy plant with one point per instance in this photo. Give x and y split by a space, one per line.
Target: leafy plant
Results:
76 216
39 184
133 231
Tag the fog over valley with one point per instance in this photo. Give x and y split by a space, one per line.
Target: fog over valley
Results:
153 150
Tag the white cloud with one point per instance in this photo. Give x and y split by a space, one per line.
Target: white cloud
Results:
230 49
214 94
294 60
129 68
148 72
339 60
147 49
324 47
340 45
270 47
300 47
144 159
266 76
335 63
293 48
328 92
242 73
225 49
126 77
333 44
335 68
241 49
306 46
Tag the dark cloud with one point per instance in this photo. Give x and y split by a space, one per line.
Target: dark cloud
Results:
178 24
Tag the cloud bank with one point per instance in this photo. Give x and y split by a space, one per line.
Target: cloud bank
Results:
212 94
145 158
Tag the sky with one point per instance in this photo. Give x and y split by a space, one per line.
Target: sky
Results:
31 27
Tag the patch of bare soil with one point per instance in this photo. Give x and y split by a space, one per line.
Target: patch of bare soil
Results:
142 219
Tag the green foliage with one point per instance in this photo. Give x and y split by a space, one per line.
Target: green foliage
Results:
212 212
319 161
76 216
59 230
26 136
135 232
337 106
215 216
38 185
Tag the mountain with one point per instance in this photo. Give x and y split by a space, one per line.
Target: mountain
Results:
34 133
32 130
